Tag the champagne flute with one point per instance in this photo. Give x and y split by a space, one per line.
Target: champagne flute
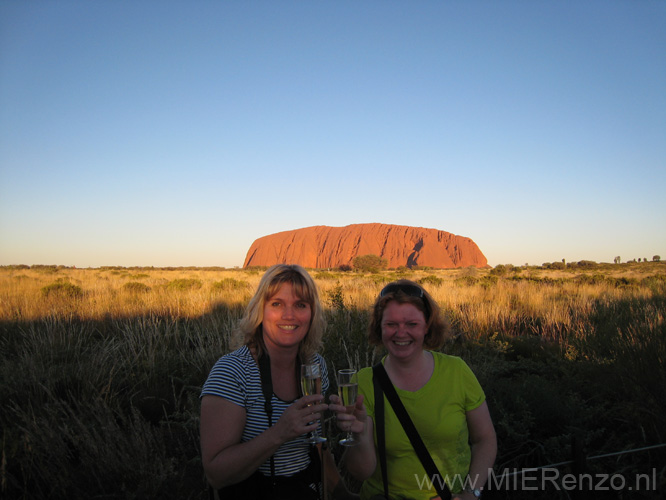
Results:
311 384
347 390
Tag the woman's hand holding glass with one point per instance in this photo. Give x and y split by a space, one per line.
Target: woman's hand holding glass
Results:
349 422
301 417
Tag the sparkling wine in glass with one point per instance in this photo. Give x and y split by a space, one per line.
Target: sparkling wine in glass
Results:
311 384
347 390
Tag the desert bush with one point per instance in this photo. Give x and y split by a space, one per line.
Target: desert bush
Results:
42 269
624 281
336 297
325 275
501 270
488 281
62 289
369 263
431 280
230 284
136 287
184 284
466 281
656 283
469 271
15 267
256 269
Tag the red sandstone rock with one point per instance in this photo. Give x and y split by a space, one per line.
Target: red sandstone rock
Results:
321 247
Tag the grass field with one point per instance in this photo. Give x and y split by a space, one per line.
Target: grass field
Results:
101 368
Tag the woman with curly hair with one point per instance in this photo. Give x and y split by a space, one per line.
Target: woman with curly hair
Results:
441 395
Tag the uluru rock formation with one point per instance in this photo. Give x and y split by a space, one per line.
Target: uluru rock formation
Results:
321 247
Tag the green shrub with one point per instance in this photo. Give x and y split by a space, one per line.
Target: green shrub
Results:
369 263
336 298
325 275
500 270
380 279
656 283
230 284
136 287
466 281
253 270
431 280
488 281
184 284
624 282
591 279
62 289
45 269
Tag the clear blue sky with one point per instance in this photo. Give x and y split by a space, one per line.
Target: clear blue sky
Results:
164 133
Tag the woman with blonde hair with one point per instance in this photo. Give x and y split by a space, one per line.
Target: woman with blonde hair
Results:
255 422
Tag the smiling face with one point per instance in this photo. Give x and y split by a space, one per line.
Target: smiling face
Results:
286 319
403 330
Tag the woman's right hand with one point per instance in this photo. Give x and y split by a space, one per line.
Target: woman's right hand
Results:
361 460
301 417
349 421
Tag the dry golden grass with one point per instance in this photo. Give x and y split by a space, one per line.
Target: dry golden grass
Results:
189 293
105 293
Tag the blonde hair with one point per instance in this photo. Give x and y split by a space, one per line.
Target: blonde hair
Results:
249 330
437 326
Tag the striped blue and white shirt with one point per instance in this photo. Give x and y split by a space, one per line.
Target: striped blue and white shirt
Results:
235 377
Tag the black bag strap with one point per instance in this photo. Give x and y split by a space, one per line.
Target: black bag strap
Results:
267 389
381 436
384 383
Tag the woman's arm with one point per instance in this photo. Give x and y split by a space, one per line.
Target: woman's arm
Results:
225 459
360 459
228 461
484 448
